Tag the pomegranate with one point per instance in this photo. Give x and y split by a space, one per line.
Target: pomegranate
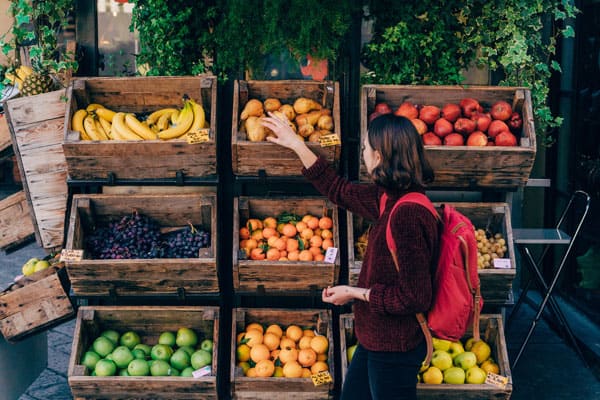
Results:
383 108
464 125
496 126
451 112
429 114
477 138
482 121
470 106
442 127
501 110
454 139
431 139
505 138
408 110
515 122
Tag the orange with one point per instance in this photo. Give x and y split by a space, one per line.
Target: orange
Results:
287 342
306 218
304 342
275 354
312 222
289 230
325 223
283 253
276 329
293 255
243 352
308 332
316 241
271 340
270 222
257 235
271 241
300 226
251 373
306 373
243 243
259 352
288 354
255 325
244 233
283 259
273 254
319 344
244 366
257 254
253 224
326 234
280 243
253 337
240 336
322 357
307 357
306 233
269 232
293 332
305 255
319 366
327 243
280 227
319 257
316 251
250 244
291 245
264 368
292 370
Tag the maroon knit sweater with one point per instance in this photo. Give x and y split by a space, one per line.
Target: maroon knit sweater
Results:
387 322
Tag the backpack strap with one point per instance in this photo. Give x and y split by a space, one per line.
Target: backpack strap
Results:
419 198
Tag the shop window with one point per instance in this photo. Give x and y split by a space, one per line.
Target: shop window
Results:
117 45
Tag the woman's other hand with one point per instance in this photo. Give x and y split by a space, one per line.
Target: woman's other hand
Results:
342 294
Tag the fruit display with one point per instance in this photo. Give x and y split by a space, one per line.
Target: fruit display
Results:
291 351
305 116
139 236
35 264
175 354
287 237
29 81
489 247
467 123
97 122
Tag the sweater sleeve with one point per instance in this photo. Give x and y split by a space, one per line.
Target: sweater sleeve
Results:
415 235
361 199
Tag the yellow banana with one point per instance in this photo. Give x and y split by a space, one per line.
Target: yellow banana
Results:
77 123
185 121
100 129
107 126
153 118
93 107
14 80
140 129
105 113
199 116
91 129
24 71
165 119
121 130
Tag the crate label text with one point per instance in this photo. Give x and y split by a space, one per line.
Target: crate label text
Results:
71 255
199 136
330 140
321 378
330 255
502 263
496 380
206 370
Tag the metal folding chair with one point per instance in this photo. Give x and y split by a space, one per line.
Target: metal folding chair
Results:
523 238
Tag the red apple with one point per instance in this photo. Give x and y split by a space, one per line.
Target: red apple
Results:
374 115
454 139
419 125
477 138
470 106
482 121
431 139
429 114
464 125
408 110
501 110
515 122
451 112
383 108
496 126
442 127
505 138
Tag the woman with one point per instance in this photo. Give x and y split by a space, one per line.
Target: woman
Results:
387 297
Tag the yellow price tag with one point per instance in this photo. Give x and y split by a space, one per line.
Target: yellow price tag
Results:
330 140
321 378
71 255
496 380
199 136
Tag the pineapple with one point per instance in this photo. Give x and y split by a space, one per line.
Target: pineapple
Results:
37 83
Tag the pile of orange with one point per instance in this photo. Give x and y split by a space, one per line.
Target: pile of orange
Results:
304 240
275 352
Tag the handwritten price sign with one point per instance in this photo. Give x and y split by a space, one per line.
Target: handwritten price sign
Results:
199 136
321 378
330 140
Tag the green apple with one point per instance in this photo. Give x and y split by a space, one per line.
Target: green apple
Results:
103 346
476 375
160 368
108 357
187 372
469 343
89 359
105 367
441 344
433 375
144 347
350 352
174 372
180 359
29 266
161 352
130 339
167 338
123 372
112 335
186 337
207 345
454 376
482 350
188 349
456 348
41 265
201 358
122 356
441 359
465 360
138 367
139 354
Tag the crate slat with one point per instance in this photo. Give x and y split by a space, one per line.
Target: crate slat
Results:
464 166
5 141
16 225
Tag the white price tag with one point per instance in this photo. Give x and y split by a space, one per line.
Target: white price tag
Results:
330 140
330 255
71 255
502 263
199 136
496 380
206 370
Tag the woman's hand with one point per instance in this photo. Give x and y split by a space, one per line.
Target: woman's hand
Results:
286 137
342 294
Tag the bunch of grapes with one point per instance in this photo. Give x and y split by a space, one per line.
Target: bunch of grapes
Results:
489 248
183 243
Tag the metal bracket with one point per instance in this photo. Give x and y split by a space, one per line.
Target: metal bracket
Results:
181 293
111 178
179 178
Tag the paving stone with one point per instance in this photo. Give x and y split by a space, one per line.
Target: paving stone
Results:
27 397
57 391
56 338
66 328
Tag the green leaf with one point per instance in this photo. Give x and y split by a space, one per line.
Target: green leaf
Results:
555 66
568 32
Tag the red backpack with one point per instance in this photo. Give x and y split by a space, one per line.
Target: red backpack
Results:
457 299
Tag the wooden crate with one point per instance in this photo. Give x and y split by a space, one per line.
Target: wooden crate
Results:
149 323
5 141
281 388
37 126
265 158
491 328
496 283
35 303
148 159
136 277
16 225
464 166
252 276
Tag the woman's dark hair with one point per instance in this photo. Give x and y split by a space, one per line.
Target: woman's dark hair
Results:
403 162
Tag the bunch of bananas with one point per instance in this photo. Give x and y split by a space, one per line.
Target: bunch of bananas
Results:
97 122
19 75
